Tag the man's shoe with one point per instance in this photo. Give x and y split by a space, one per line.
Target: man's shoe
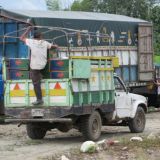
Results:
38 102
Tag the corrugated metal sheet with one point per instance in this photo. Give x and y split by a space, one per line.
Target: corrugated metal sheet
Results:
73 15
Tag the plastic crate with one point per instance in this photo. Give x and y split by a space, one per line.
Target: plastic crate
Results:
58 65
18 74
17 63
59 75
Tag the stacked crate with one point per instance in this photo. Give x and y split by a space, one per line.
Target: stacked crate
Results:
59 68
18 68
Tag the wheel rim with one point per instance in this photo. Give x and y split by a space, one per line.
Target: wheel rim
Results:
139 120
95 126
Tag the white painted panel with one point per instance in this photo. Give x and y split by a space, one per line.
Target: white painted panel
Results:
125 57
75 85
52 85
105 53
32 99
17 100
78 53
58 99
20 85
112 53
99 53
134 57
103 80
62 54
109 80
94 81
85 53
118 54
84 85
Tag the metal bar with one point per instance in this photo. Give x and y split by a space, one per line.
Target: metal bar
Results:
102 69
91 57
69 120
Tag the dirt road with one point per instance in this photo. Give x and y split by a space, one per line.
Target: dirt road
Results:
15 145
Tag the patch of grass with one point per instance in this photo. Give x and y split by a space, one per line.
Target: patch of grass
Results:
146 143
33 142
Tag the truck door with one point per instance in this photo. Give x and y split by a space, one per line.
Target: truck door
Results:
145 52
122 99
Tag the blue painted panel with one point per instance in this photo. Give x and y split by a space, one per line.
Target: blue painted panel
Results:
1 78
133 73
125 73
118 72
22 50
1 50
0 67
11 50
1 88
11 27
1 31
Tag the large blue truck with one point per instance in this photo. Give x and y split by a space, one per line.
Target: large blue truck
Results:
84 33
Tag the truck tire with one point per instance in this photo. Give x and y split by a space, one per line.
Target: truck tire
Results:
137 124
91 126
34 131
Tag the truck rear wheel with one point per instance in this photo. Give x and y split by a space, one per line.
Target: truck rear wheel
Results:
35 131
91 126
137 124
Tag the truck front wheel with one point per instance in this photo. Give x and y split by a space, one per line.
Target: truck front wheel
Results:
34 131
137 124
91 126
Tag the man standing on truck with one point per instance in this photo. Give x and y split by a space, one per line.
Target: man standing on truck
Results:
38 60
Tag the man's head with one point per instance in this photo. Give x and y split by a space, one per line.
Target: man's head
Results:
37 35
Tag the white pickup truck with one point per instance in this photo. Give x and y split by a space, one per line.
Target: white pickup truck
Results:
91 97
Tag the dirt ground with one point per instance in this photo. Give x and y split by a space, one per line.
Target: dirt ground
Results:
15 144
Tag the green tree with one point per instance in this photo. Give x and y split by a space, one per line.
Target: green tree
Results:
53 5
133 8
155 18
76 6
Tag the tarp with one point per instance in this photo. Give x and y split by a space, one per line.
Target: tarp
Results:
115 30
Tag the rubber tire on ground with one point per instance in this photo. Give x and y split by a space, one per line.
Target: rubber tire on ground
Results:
137 124
87 122
34 131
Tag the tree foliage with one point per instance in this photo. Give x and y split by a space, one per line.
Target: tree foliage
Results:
53 5
155 18
133 8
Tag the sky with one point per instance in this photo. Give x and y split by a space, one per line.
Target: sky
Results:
31 4
66 3
21 4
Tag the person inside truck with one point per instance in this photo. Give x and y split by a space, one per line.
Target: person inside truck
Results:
38 60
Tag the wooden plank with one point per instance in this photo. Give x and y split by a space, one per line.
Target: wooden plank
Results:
145 52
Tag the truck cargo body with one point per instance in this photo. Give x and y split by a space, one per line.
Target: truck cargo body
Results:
90 34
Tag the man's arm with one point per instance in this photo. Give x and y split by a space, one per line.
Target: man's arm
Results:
54 46
23 36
